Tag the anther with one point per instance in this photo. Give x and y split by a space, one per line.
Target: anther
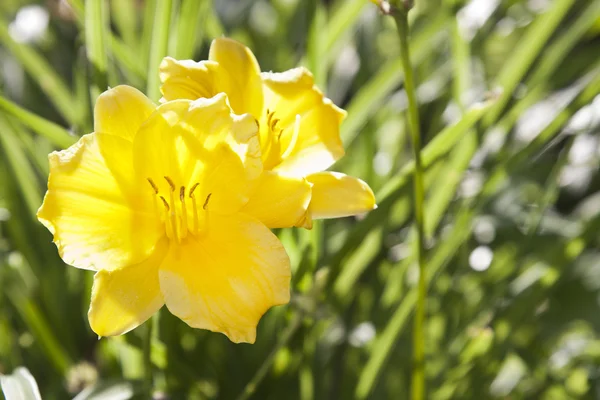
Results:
151 182
170 182
193 188
165 203
206 201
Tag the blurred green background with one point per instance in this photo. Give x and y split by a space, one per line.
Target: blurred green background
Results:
512 204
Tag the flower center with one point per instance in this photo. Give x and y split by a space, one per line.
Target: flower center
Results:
175 214
273 137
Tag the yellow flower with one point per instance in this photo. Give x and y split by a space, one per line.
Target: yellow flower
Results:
155 201
299 127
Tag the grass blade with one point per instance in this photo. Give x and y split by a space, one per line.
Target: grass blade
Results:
59 136
96 28
158 46
43 74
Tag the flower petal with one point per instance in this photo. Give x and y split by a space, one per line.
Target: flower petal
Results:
190 143
121 111
279 201
226 279
238 75
337 195
315 143
187 79
211 123
97 218
124 298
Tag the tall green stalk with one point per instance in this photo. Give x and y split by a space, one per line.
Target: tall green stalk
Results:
400 15
147 356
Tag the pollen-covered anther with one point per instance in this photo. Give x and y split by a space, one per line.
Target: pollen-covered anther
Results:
206 201
154 187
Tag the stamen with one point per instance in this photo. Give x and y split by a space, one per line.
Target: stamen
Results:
274 123
165 203
173 209
167 224
193 188
206 201
294 139
170 182
151 182
194 207
184 227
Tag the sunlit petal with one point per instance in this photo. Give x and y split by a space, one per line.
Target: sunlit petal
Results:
238 75
187 79
124 298
279 201
226 279
337 195
314 144
193 143
98 219
120 111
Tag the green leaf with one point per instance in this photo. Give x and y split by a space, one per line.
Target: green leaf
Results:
96 36
158 45
59 136
43 74
189 29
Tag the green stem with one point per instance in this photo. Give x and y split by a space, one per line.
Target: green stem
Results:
261 373
418 378
147 357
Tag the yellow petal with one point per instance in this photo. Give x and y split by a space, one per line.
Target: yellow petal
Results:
238 75
124 298
314 144
195 151
279 201
240 132
187 79
120 111
226 279
97 218
337 195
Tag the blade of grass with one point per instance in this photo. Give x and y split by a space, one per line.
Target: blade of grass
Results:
40 329
125 16
342 19
127 57
461 231
190 29
59 136
523 56
43 74
96 28
261 373
371 95
316 49
158 46
20 166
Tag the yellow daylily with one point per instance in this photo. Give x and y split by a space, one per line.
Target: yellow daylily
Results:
155 201
299 127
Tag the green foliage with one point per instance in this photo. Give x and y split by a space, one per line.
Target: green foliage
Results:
511 207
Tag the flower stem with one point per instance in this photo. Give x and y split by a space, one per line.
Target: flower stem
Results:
400 15
147 359
261 373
